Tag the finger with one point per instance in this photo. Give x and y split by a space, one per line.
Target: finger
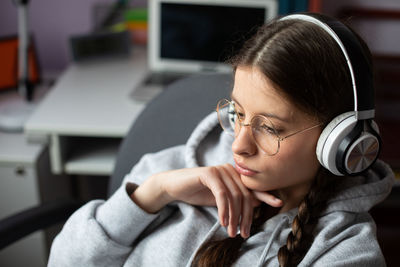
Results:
268 198
248 204
218 189
235 201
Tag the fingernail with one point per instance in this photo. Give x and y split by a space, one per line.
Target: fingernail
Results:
228 231
248 228
226 221
246 232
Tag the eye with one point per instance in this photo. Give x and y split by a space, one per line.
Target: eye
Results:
240 116
267 129
232 116
264 126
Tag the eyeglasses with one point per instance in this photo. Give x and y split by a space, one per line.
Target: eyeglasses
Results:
263 131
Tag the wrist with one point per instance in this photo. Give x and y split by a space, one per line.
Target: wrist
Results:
150 196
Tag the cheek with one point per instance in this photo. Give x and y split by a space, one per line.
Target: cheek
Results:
301 160
295 164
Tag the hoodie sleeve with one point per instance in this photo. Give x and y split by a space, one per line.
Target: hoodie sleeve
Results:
101 233
347 240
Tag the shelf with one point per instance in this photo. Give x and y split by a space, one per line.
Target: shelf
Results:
92 156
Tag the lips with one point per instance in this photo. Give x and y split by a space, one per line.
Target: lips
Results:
240 168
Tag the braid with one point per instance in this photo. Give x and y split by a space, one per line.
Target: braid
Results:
225 252
300 238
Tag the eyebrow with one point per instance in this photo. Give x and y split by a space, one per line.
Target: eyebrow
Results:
269 115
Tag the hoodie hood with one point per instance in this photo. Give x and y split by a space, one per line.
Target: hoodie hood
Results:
209 145
361 193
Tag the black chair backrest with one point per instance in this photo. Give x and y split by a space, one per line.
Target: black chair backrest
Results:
169 119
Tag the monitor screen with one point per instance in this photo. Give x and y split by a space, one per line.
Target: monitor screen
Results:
206 32
195 35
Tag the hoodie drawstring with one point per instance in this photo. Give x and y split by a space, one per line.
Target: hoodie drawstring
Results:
274 234
210 234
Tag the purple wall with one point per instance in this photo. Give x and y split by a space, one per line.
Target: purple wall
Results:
51 22
54 21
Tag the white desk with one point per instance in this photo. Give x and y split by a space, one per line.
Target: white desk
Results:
86 114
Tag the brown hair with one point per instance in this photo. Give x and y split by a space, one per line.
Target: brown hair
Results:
308 67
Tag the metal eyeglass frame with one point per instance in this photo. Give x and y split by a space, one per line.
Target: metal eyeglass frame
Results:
241 123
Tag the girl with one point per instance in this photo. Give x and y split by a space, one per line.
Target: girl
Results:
255 194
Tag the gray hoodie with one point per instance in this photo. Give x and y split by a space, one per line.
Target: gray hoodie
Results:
117 232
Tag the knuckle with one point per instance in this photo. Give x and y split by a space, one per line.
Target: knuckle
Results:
247 196
236 195
220 194
227 165
230 168
213 170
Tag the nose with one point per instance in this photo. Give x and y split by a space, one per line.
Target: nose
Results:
244 142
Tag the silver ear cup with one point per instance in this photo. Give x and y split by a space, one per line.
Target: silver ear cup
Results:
362 153
330 139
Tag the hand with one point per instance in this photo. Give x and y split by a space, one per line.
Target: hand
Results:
218 186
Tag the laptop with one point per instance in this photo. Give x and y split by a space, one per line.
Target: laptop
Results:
197 36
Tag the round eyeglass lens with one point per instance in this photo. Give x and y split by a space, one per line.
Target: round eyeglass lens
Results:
265 134
263 131
226 115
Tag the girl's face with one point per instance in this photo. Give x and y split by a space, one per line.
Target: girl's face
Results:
291 171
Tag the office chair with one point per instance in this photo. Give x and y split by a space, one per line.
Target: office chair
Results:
166 121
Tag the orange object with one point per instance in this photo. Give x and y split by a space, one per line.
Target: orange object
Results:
9 63
315 5
136 25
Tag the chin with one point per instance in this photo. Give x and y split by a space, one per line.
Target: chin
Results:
252 183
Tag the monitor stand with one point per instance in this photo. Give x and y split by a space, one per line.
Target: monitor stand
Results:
153 84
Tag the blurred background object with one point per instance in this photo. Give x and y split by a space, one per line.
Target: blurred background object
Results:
19 69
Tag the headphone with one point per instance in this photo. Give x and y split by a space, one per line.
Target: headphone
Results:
350 143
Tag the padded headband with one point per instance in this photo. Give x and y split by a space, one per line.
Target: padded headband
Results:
358 65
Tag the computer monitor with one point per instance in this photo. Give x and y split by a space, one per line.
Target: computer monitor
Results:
199 35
